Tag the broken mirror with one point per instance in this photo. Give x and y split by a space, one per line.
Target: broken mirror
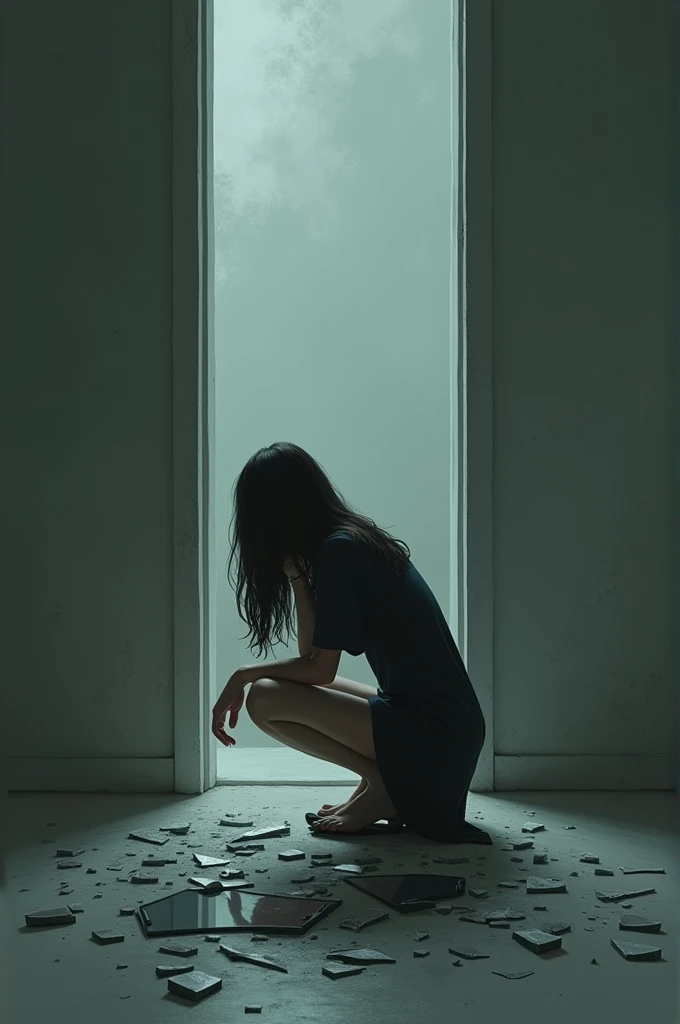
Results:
401 891
193 911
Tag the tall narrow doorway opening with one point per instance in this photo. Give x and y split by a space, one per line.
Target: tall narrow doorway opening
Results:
338 185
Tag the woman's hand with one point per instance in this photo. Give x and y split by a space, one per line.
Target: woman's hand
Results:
290 567
231 701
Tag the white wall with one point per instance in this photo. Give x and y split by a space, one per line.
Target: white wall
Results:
333 191
585 452
87 505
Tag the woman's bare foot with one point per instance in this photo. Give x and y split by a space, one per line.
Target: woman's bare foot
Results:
337 808
369 807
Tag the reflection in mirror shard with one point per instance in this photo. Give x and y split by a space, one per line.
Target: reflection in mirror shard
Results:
400 891
193 911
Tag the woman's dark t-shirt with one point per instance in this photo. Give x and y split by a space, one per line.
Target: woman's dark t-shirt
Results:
364 606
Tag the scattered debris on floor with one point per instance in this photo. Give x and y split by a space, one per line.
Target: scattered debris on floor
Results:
209 862
615 896
545 885
167 970
338 971
537 941
45 918
360 956
194 986
636 951
172 949
643 871
149 837
272 832
629 922
504 915
106 937
357 924
188 983
251 958
473 918
468 953
556 927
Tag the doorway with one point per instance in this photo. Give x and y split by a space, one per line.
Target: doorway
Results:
338 302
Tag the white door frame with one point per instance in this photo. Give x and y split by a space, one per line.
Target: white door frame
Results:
194 600
194 378
473 432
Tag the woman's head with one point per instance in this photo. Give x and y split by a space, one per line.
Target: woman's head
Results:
285 505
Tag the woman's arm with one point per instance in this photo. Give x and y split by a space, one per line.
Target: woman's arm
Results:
304 606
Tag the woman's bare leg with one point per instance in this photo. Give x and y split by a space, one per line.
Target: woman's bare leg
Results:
357 690
334 726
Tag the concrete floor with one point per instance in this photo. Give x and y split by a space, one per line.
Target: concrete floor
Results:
280 765
59 974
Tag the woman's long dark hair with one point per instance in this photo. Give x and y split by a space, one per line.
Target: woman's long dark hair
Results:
285 506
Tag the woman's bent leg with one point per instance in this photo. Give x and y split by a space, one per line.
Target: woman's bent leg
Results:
332 725
356 689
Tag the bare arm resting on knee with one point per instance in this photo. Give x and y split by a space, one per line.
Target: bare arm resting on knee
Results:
304 607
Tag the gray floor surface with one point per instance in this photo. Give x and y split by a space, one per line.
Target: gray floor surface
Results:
60 974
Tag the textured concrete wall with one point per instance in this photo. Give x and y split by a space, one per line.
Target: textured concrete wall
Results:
87 385
583 378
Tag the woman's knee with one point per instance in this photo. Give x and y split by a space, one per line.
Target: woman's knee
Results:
262 697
